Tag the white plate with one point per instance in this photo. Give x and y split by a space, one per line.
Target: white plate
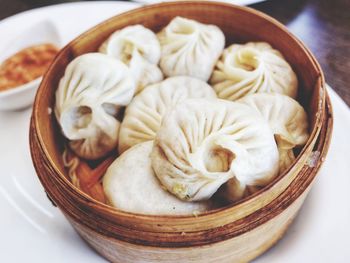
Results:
236 2
32 230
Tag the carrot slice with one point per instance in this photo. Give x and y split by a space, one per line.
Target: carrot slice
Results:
89 179
84 174
100 170
98 193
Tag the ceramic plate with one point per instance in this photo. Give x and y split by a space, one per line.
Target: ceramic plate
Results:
32 230
237 2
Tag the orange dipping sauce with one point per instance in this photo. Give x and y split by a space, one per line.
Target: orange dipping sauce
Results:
26 65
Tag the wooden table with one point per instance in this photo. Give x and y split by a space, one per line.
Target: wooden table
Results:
323 25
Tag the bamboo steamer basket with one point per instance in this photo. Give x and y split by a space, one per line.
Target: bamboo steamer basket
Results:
236 233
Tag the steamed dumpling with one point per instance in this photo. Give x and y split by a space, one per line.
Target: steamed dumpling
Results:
130 185
137 47
190 48
88 98
287 119
254 67
144 114
201 144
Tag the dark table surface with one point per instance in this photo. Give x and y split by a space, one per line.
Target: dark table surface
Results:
323 25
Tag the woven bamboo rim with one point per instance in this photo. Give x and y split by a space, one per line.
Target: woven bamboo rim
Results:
299 185
209 227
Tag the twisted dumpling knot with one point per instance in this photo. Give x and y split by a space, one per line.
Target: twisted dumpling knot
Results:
190 48
89 96
139 49
254 67
287 120
202 143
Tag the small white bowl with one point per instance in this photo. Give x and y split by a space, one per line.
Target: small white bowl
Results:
19 97
23 96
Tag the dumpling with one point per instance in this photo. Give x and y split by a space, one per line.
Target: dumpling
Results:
130 185
201 144
190 48
88 98
288 122
254 67
137 47
287 119
143 116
